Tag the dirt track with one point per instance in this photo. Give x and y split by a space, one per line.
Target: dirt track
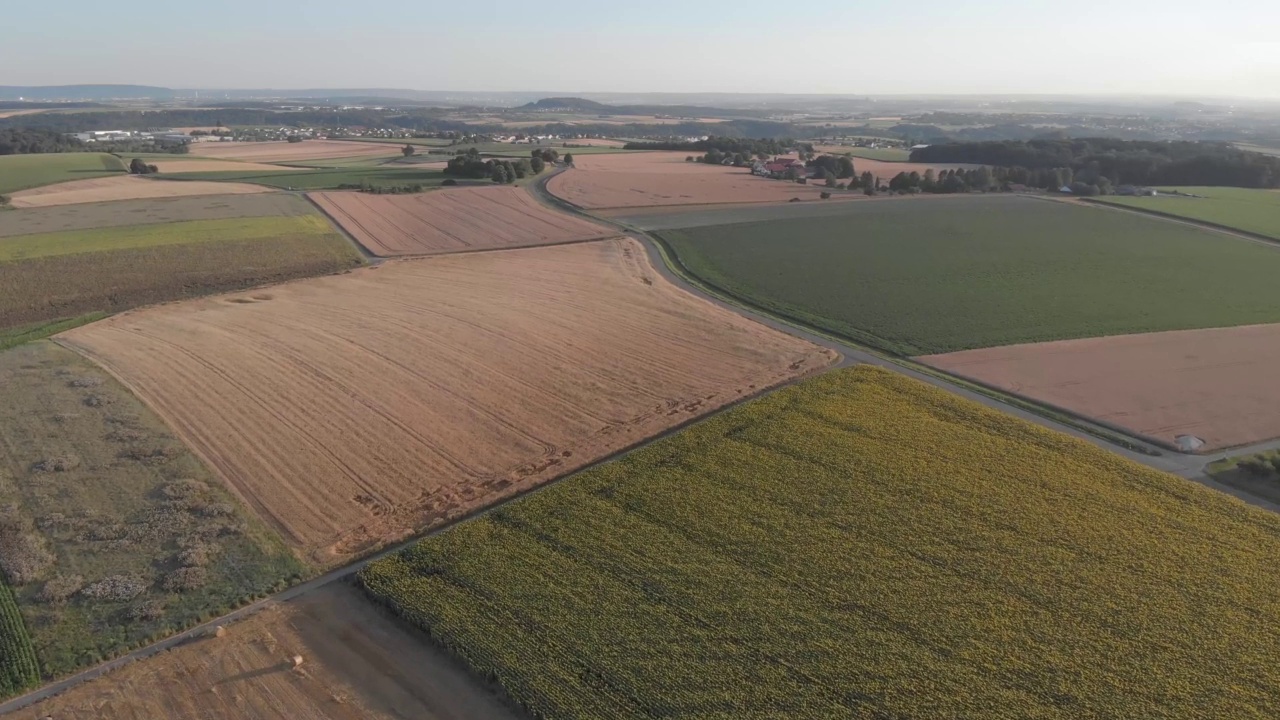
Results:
352 411
357 665
452 220
123 187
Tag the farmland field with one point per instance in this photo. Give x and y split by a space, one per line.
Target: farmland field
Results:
51 276
89 216
944 274
1255 211
1212 384
644 179
113 532
323 179
351 411
20 172
453 220
283 152
860 545
123 187
358 664
881 154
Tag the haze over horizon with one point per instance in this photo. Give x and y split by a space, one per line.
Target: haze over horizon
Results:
1146 47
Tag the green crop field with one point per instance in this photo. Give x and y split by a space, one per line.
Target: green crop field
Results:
26 247
885 154
47 279
860 545
932 275
22 172
1255 211
19 668
322 179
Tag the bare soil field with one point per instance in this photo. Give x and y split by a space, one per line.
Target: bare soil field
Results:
16 113
141 212
124 187
275 152
357 664
664 178
453 220
1213 384
185 165
352 411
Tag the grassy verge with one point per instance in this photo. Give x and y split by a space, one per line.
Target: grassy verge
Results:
818 550
14 337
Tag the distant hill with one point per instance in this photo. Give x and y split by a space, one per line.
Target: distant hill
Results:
85 92
572 104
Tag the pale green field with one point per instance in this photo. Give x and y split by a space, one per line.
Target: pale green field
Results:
23 172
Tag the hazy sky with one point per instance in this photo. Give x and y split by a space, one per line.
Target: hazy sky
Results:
1188 47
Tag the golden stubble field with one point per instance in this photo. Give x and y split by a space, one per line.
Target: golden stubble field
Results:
275 152
124 187
352 411
357 664
453 220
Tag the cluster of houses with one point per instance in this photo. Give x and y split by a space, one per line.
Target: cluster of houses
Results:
779 168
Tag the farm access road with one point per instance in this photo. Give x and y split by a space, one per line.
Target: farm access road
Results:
1191 467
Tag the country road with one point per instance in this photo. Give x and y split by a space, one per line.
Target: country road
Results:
1188 466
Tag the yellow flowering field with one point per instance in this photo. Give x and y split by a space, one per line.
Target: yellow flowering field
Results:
860 545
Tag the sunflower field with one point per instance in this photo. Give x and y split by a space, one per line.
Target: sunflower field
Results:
860 545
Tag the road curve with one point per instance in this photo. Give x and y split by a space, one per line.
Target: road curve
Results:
1187 466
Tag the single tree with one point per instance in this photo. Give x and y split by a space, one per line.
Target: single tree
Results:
498 174
537 164
568 158
829 178
408 150
138 167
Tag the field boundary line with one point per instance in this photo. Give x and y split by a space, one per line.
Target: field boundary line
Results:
1181 219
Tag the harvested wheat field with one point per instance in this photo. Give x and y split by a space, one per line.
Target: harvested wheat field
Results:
456 220
664 178
354 410
124 187
357 664
181 164
1216 385
273 152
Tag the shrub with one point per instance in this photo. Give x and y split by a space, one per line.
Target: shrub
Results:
449 182
184 579
23 555
117 588
825 196
1256 466
60 588
145 610
57 463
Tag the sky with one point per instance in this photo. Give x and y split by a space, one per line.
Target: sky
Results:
1225 48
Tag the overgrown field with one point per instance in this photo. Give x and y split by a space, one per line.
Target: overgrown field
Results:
19 172
1255 211
111 531
935 275
47 277
90 216
860 545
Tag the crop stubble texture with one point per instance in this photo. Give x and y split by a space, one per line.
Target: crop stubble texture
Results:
453 220
1214 384
860 545
123 187
277 152
351 411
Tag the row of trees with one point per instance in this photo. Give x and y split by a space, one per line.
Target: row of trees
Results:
1120 161
23 141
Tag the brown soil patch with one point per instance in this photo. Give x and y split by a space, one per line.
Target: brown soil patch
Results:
353 411
664 178
357 664
453 220
184 165
271 152
124 187
1214 384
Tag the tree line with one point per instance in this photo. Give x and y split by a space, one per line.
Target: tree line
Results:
470 164
1130 162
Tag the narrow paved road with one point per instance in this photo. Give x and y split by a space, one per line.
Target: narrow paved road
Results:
1188 466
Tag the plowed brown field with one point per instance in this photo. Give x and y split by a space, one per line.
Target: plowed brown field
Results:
356 665
453 220
351 411
664 178
1216 384
272 152
124 187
